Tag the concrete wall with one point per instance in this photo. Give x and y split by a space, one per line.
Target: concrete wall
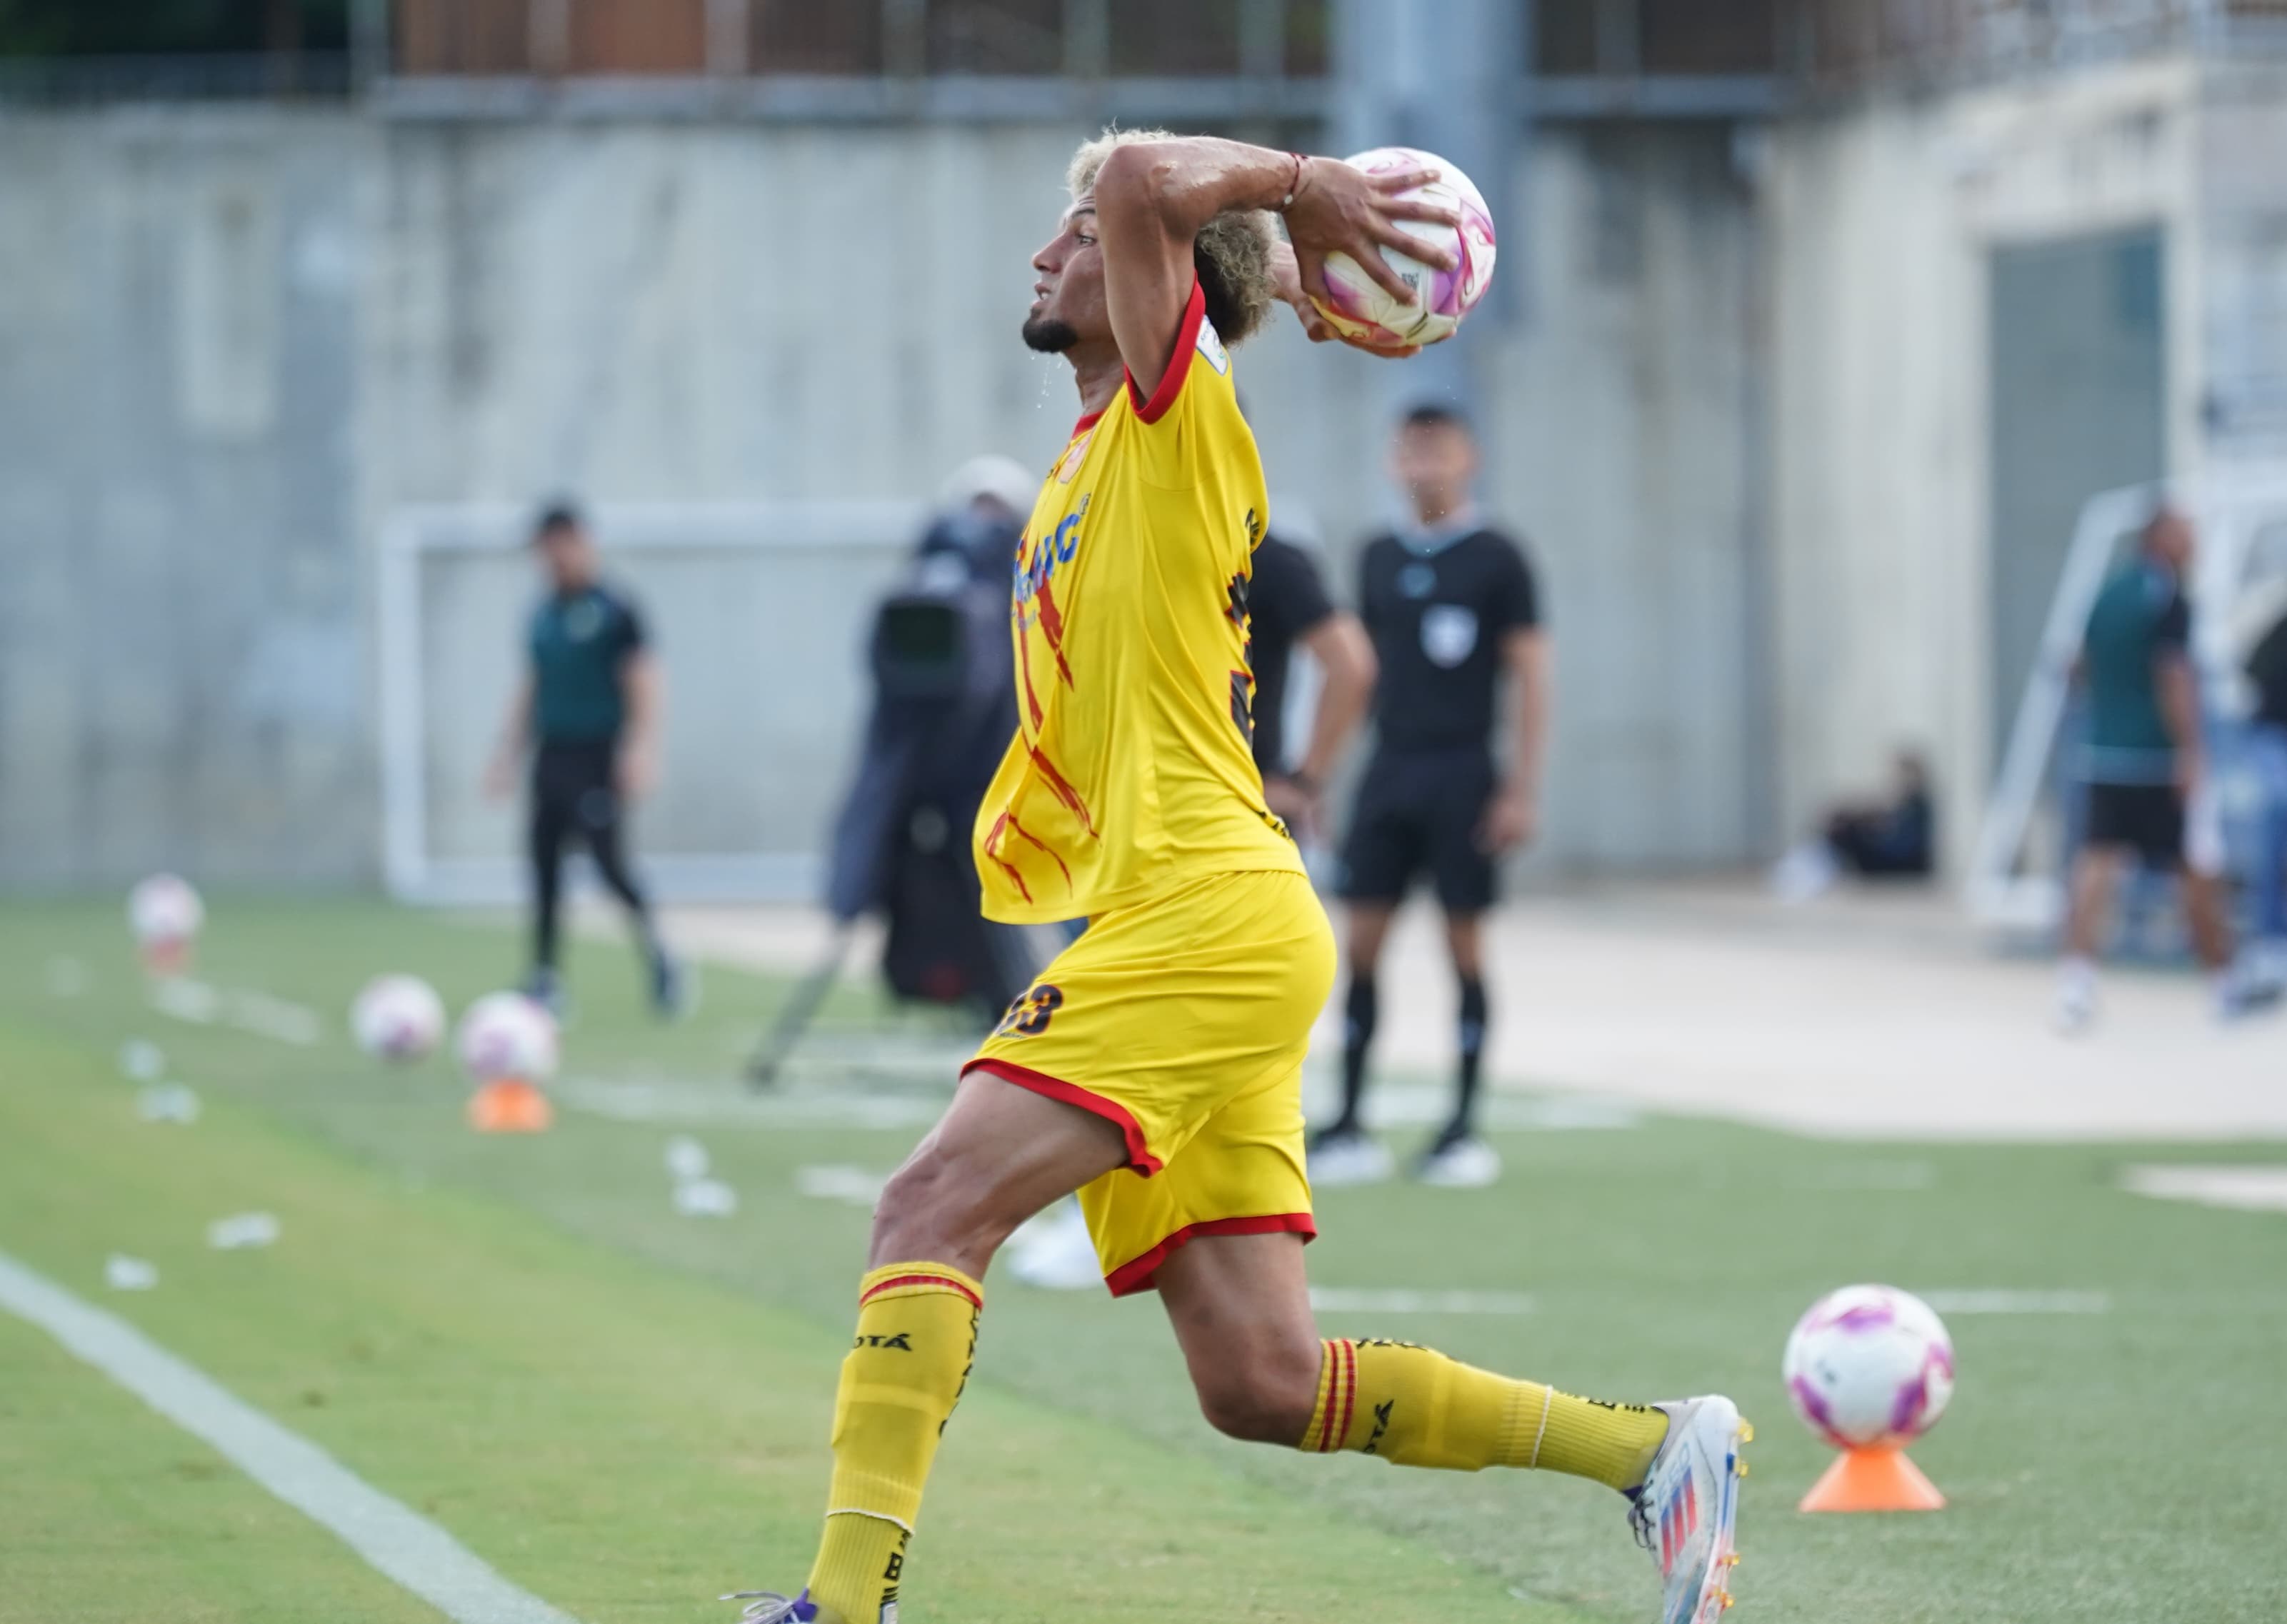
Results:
1880 220
232 344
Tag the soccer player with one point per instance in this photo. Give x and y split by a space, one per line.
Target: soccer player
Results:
1455 612
1287 604
1155 1065
2145 768
586 715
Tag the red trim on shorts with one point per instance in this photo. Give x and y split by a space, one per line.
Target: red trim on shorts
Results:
1179 363
1140 1274
1140 1159
943 1282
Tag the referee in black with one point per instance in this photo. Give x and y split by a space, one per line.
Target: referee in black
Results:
1287 605
1455 612
586 716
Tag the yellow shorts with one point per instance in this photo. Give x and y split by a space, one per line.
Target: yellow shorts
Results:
1184 1020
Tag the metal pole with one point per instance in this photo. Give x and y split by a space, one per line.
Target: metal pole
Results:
1444 75
369 42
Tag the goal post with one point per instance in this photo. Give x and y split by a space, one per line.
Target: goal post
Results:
758 615
2241 516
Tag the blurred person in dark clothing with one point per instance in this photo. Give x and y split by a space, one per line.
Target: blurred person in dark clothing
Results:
1287 605
1891 837
586 720
1455 614
2145 770
2267 673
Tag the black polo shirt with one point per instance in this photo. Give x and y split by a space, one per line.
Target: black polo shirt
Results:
1438 607
1286 602
579 642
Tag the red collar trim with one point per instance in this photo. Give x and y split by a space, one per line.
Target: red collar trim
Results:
1085 424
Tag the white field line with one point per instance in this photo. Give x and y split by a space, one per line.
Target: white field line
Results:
835 1183
1977 1302
694 1104
392 1538
2246 1189
1345 1300
259 1013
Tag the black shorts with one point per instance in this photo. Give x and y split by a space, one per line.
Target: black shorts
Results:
574 786
2145 818
1419 812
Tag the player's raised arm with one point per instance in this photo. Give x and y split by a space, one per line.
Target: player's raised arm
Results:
1152 199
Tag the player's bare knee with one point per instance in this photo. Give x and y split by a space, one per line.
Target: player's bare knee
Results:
1260 1401
932 1208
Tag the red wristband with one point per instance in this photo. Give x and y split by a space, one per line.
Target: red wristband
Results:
1293 186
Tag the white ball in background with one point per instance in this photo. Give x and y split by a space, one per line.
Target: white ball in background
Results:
164 911
398 1018
1870 1365
508 1035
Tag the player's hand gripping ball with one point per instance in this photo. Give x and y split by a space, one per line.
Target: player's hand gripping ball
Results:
398 1018
506 1035
1362 311
1870 1365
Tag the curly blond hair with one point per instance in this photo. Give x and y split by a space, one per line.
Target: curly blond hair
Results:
1231 253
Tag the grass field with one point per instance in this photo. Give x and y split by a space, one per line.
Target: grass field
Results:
624 1409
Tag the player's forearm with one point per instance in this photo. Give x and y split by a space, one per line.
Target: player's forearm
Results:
1345 655
1529 749
515 726
639 686
1185 183
2179 705
1527 657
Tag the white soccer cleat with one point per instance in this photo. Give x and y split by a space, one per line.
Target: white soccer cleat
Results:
1687 1512
1464 1164
769 1607
2075 1012
1055 1253
1351 1158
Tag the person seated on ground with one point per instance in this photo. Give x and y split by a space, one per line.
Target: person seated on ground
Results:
1891 838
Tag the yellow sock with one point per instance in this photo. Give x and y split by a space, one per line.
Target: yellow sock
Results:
1416 1407
916 1335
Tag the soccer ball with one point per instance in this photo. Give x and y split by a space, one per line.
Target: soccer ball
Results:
1870 1365
1360 309
165 914
398 1018
507 1035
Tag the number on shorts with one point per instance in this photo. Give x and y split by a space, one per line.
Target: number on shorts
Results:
1030 1014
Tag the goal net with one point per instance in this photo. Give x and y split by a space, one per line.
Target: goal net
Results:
757 615
2239 577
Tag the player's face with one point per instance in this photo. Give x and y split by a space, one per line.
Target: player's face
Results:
568 558
2171 541
1068 305
1435 462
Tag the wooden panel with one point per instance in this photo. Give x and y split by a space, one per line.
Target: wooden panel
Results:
639 37
812 36
461 36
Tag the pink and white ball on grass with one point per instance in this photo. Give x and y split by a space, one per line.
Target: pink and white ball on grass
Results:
1870 1366
507 1037
1361 309
397 1019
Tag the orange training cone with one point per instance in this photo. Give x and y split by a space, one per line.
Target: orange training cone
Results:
509 1104
1872 1479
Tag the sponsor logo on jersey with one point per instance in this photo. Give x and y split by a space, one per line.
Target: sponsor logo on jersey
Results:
583 620
1449 634
1038 561
1210 345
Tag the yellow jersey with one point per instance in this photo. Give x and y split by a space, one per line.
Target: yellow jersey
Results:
1132 770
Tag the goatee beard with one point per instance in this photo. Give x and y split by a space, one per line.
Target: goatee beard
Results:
1049 336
